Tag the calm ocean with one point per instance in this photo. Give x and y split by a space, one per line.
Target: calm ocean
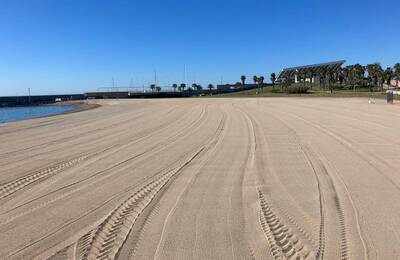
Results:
10 114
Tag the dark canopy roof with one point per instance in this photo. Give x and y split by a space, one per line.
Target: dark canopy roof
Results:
315 68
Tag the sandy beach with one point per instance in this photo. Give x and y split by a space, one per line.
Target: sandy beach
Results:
201 178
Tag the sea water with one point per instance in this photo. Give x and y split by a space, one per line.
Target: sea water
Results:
10 114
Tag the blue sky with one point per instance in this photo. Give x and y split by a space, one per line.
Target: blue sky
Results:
68 46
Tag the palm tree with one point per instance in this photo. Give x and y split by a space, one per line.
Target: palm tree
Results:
158 89
183 86
255 79
354 74
302 76
261 83
338 75
341 76
199 87
372 74
397 72
380 74
358 75
310 75
243 79
353 77
273 79
346 71
388 75
331 80
152 87
194 86
174 86
375 73
210 87
322 77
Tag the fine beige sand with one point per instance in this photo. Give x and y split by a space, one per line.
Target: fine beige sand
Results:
256 178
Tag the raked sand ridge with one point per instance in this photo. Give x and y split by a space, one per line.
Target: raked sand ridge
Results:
256 178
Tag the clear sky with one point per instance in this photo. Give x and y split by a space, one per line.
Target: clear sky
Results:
67 46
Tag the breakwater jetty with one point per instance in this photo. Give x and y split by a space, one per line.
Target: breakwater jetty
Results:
37 100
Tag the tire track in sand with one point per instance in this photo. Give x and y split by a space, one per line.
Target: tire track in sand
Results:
11 187
108 238
211 147
89 235
156 147
296 228
350 146
113 232
283 243
126 129
73 128
327 191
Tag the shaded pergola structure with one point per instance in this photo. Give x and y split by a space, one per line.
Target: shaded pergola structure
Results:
310 73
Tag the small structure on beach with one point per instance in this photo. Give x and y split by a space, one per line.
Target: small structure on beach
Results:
310 73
